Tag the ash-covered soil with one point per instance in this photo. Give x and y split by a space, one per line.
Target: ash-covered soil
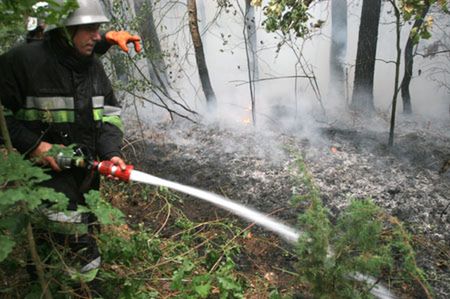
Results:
257 170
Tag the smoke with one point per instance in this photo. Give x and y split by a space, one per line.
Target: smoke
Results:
285 101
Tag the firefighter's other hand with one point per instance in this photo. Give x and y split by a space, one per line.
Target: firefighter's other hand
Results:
122 38
39 155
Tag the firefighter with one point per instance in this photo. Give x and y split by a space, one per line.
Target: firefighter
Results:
36 27
55 92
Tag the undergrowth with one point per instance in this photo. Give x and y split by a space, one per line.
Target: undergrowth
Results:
194 261
153 250
363 240
162 254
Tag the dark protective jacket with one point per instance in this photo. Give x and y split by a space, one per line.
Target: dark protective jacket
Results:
53 94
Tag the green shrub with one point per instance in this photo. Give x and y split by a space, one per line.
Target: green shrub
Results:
364 240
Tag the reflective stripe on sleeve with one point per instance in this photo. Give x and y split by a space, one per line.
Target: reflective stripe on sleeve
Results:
98 114
111 114
97 106
114 120
112 111
98 101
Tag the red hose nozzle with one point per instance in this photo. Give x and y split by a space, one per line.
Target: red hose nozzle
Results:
109 168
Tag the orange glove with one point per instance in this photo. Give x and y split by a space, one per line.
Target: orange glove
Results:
122 38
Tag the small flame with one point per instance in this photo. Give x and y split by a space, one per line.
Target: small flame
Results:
247 121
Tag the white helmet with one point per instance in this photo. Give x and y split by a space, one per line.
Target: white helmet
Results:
33 22
88 12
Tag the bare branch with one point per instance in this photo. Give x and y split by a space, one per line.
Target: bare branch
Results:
171 111
243 82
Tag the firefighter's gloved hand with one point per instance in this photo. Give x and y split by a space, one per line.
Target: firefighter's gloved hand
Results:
118 162
39 155
122 38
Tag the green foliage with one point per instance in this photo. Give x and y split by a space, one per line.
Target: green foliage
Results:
105 213
135 261
286 16
400 245
193 279
20 194
57 12
201 285
228 284
292 16
194 261
6 246
412 9
12 27
358 239
21 198
13 16
140 246
363 240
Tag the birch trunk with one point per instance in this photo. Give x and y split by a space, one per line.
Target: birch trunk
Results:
338 49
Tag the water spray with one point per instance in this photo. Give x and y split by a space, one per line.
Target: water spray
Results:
288 233
129 174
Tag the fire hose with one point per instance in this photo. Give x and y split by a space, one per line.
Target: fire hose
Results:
109 169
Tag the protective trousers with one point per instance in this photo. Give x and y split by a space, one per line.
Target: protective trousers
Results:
70 235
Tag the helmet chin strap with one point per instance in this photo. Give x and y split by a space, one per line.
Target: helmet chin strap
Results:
68 33
72 30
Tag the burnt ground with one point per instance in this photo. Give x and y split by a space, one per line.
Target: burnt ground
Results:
256 170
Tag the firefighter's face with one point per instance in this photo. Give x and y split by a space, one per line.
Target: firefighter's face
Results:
85 38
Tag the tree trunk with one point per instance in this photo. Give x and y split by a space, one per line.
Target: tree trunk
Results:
149 36
409 61
250 47
199 54
397 72
338 49
362 98
4 130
